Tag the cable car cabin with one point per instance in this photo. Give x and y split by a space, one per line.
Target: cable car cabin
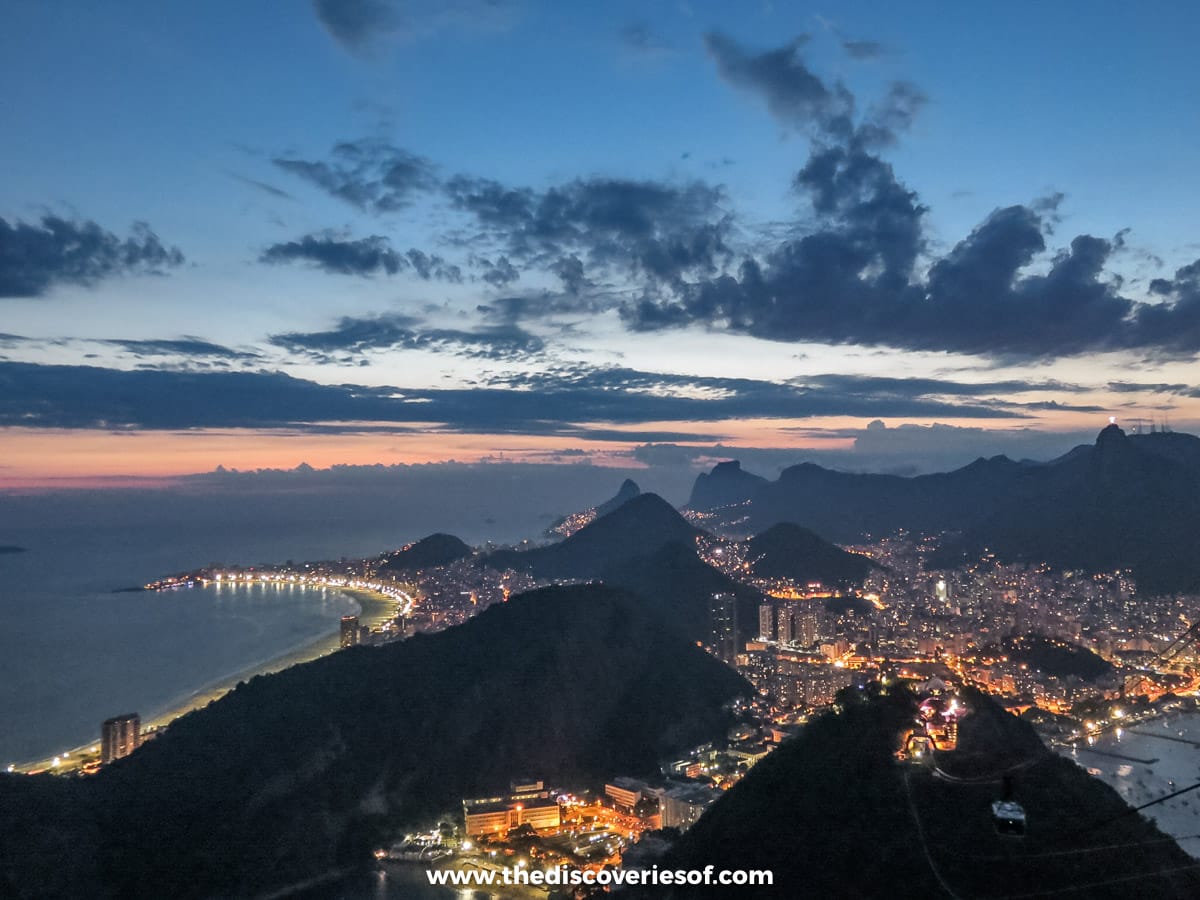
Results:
1009 818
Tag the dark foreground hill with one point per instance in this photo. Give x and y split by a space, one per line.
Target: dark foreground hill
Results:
833 814
427 553
637 527
1124 502
677 586
790 551
300 773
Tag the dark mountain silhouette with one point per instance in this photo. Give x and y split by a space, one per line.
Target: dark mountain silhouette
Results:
675 585
1125 502
790 551
427 553
628 490
637 527
833 814
295 774
726 485
1130 502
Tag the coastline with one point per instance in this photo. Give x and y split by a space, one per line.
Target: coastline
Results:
374 609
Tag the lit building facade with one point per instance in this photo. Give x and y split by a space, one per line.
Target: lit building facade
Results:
120 736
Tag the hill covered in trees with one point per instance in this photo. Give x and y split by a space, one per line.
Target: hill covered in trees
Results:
791 551
833 814
434 550
637 527
675 585
296 774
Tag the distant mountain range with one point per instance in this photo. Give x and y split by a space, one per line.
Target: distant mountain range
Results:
726 485
1124 502
427 553
295 774
833 814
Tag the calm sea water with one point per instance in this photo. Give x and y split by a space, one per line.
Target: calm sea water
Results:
74 652
1159 757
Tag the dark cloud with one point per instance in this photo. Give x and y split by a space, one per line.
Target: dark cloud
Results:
364 257
359 24
645 228
34 258
429 266
353 23
881 385
643 40
858 270
356 336
184 346
1126 387
500 273
369 174
864 49
1172 324
268 189
569 270
793 93
552 403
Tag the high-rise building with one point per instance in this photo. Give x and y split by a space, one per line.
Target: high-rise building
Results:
942 590
807 623
722 610
786 630
350 633
120 736
766 622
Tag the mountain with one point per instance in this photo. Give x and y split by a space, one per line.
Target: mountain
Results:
637 527
675 585
628 490
427 553
565 526
790 551
726 485
833 814
1130 502
1124 502
300 773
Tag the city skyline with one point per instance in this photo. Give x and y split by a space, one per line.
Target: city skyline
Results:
367 232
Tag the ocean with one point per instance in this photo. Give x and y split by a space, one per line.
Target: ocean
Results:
75 648
1151 761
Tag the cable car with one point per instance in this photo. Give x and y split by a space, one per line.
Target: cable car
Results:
1009 818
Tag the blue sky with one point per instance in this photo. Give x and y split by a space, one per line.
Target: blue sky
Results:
659 144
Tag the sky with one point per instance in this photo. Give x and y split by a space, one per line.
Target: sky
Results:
373 232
